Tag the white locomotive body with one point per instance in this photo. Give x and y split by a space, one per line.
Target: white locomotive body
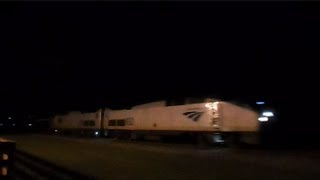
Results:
204 119
76 122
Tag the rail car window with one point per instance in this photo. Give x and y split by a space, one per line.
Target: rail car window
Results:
92 123
85 123
89 123
112 122
117 122
120 122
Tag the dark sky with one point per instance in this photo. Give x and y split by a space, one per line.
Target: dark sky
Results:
60 56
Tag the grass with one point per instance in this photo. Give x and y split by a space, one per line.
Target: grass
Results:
111 161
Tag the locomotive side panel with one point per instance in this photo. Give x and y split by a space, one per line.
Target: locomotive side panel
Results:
238 119
193 117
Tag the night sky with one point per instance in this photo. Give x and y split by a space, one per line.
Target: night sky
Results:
69 56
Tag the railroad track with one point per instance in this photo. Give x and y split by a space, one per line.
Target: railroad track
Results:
27 166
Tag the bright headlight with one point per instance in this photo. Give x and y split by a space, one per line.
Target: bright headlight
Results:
263 119
268 114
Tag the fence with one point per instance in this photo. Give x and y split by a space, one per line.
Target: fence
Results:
7 151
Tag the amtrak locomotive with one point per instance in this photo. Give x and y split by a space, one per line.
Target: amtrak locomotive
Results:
212 121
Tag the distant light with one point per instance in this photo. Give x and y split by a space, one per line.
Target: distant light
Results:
1 124
218 138
263 119
268 114
4 171
30 124
9 117
55 130
260 102
96 133
5 156
13 124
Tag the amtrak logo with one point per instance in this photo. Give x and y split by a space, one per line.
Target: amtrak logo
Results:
194 115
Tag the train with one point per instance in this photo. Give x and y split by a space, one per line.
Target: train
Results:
212 121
